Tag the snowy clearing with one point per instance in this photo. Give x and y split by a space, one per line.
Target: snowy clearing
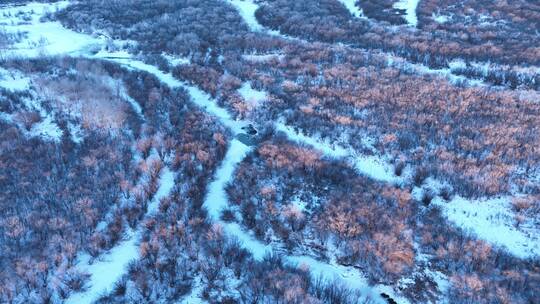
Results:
493 221
47 129
13 80
42 38
216 198
352 278
250 95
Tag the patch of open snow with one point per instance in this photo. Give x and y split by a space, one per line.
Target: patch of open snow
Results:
410 10
249 242
42 38
134 104
447 73
262 57
205 101
47 129
176 60
492 220
440 18
251 95
104 54
194 296
376 168
106 271
392 294
13 80
351 277
246 9
216 198
355 10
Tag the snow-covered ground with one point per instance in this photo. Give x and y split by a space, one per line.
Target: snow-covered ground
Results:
246 9
252 96
199 97
370 165
490 220
493 220
410 10
47 129
110 267
355 10
106 271
42 38
263 57
13 80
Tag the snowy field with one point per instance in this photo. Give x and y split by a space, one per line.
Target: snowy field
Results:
41 38
492 220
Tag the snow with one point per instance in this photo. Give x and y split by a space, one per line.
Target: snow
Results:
492 220
351 277
106 271
410 10
134 104
326 148
251 95
13 80
249 242
355 10
167 178
262 57
47 129
247 9
175 60
216 198
199 97
42 38
403 64
375 167
440 18
205 101
110 267
372 166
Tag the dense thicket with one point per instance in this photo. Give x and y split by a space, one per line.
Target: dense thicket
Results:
329 21
177 27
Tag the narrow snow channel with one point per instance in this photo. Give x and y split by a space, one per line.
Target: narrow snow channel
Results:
371 166
410 10
110 267
246 9
355 10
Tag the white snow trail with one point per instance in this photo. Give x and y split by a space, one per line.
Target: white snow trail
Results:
410 10
110 267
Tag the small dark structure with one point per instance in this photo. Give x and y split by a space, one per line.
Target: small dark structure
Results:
250 129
